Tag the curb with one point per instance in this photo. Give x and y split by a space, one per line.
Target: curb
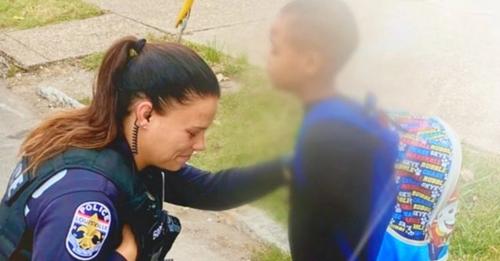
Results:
58 98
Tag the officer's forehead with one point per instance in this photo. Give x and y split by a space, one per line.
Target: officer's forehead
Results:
198 112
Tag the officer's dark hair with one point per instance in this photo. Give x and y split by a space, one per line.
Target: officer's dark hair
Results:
161 72
327 26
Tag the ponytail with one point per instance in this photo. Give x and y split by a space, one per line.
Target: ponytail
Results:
91 127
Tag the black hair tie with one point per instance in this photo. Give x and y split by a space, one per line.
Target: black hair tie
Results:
139 45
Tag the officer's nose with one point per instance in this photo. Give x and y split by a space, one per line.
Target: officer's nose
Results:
199 143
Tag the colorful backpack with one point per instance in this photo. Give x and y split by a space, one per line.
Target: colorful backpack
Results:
427 171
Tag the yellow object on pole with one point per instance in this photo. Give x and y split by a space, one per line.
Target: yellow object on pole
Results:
183 17
184 13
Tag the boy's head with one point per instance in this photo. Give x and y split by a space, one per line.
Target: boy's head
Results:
311 40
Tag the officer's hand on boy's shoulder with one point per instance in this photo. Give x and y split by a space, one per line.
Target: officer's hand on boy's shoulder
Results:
128 246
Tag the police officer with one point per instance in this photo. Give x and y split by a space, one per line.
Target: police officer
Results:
91 182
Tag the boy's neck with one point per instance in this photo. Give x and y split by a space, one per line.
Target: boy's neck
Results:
314 93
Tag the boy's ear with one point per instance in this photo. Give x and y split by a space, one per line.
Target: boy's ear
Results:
313 62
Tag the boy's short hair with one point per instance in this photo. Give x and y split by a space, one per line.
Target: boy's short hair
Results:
325 25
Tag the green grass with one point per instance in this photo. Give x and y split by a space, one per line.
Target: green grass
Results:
85 100
22 14
270 253
13 70
255 123
211 53
477 231
91 62
216 58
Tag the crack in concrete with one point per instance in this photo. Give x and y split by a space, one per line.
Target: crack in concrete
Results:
11 110
26 46
142 23
226 26
190 32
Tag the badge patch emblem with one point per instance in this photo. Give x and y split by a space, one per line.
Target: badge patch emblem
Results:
88 231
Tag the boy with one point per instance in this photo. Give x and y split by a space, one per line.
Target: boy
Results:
343 189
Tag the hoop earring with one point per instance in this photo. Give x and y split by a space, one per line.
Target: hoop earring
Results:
135 133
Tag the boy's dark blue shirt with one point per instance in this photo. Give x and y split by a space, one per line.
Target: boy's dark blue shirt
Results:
342 175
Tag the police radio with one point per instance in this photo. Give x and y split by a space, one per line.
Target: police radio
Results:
156 229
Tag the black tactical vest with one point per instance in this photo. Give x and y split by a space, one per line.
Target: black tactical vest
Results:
153 228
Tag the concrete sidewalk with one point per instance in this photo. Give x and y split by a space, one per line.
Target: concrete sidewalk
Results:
73 39
235 27
229 23
17 118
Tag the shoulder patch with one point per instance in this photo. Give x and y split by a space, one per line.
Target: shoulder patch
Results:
88 231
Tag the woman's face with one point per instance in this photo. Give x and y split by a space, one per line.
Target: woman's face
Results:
169 140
